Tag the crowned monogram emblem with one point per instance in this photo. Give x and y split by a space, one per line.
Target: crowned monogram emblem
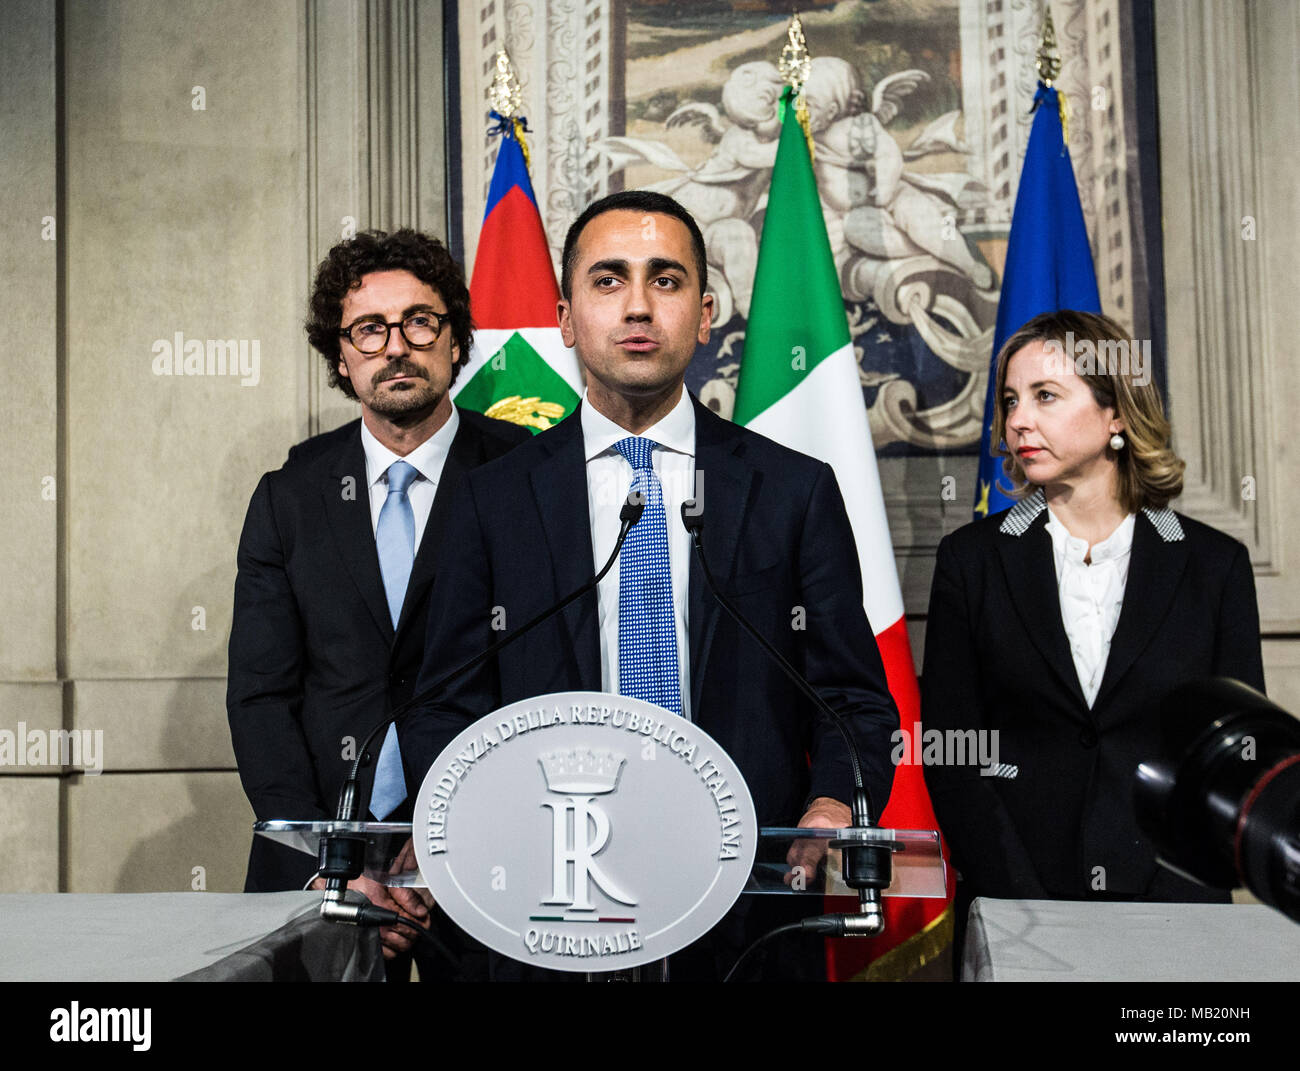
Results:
580 826
585 831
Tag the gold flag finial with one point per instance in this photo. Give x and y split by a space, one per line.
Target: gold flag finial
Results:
795 62
1048 66
507 99
795 67
1048 61
505 95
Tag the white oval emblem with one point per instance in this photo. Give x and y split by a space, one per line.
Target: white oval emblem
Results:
583 831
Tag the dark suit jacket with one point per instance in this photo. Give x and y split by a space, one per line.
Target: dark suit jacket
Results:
997 657
777 537
314 657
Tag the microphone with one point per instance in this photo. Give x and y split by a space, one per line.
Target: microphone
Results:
867 867
342 855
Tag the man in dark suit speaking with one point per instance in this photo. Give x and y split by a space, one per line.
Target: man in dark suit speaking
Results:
536 525
340 547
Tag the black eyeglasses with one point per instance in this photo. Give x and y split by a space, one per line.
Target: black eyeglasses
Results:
420 329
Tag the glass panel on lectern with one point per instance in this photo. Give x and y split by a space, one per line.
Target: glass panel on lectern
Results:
788 861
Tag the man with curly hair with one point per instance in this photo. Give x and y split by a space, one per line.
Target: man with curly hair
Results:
340 547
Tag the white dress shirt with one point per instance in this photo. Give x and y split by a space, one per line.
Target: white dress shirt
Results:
428 459
609 478
1091 595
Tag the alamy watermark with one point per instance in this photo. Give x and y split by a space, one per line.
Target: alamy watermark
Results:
1106 356
181 356
78 1024
950 747
53 747
609 489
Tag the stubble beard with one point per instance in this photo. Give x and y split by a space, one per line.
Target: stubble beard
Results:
416 400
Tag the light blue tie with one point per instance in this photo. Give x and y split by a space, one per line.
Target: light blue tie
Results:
647 632
395 541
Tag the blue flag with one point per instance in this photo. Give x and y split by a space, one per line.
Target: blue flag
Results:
1049 265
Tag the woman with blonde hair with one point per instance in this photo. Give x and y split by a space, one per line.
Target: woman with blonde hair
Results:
1061 623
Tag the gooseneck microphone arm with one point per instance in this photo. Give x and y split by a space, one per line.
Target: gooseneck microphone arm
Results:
863 811
866 866
342 856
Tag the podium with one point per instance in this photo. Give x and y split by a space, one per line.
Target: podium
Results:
919 869
586 832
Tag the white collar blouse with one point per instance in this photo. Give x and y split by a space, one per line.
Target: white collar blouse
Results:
1091 595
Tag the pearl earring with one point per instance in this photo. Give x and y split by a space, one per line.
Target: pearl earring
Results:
1117 441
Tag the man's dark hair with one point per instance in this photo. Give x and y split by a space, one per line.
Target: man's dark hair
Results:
404 250
631 201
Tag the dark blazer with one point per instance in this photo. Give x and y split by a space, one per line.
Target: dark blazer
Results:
777 537
997 657
314 658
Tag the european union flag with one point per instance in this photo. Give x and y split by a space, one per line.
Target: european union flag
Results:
1049 264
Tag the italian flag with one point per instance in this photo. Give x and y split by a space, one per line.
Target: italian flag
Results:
799 385
519 368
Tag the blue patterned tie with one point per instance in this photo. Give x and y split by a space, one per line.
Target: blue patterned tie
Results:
647 631
395 541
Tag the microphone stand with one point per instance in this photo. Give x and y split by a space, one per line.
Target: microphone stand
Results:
867 866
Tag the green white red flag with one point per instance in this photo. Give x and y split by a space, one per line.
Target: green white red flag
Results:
799 385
